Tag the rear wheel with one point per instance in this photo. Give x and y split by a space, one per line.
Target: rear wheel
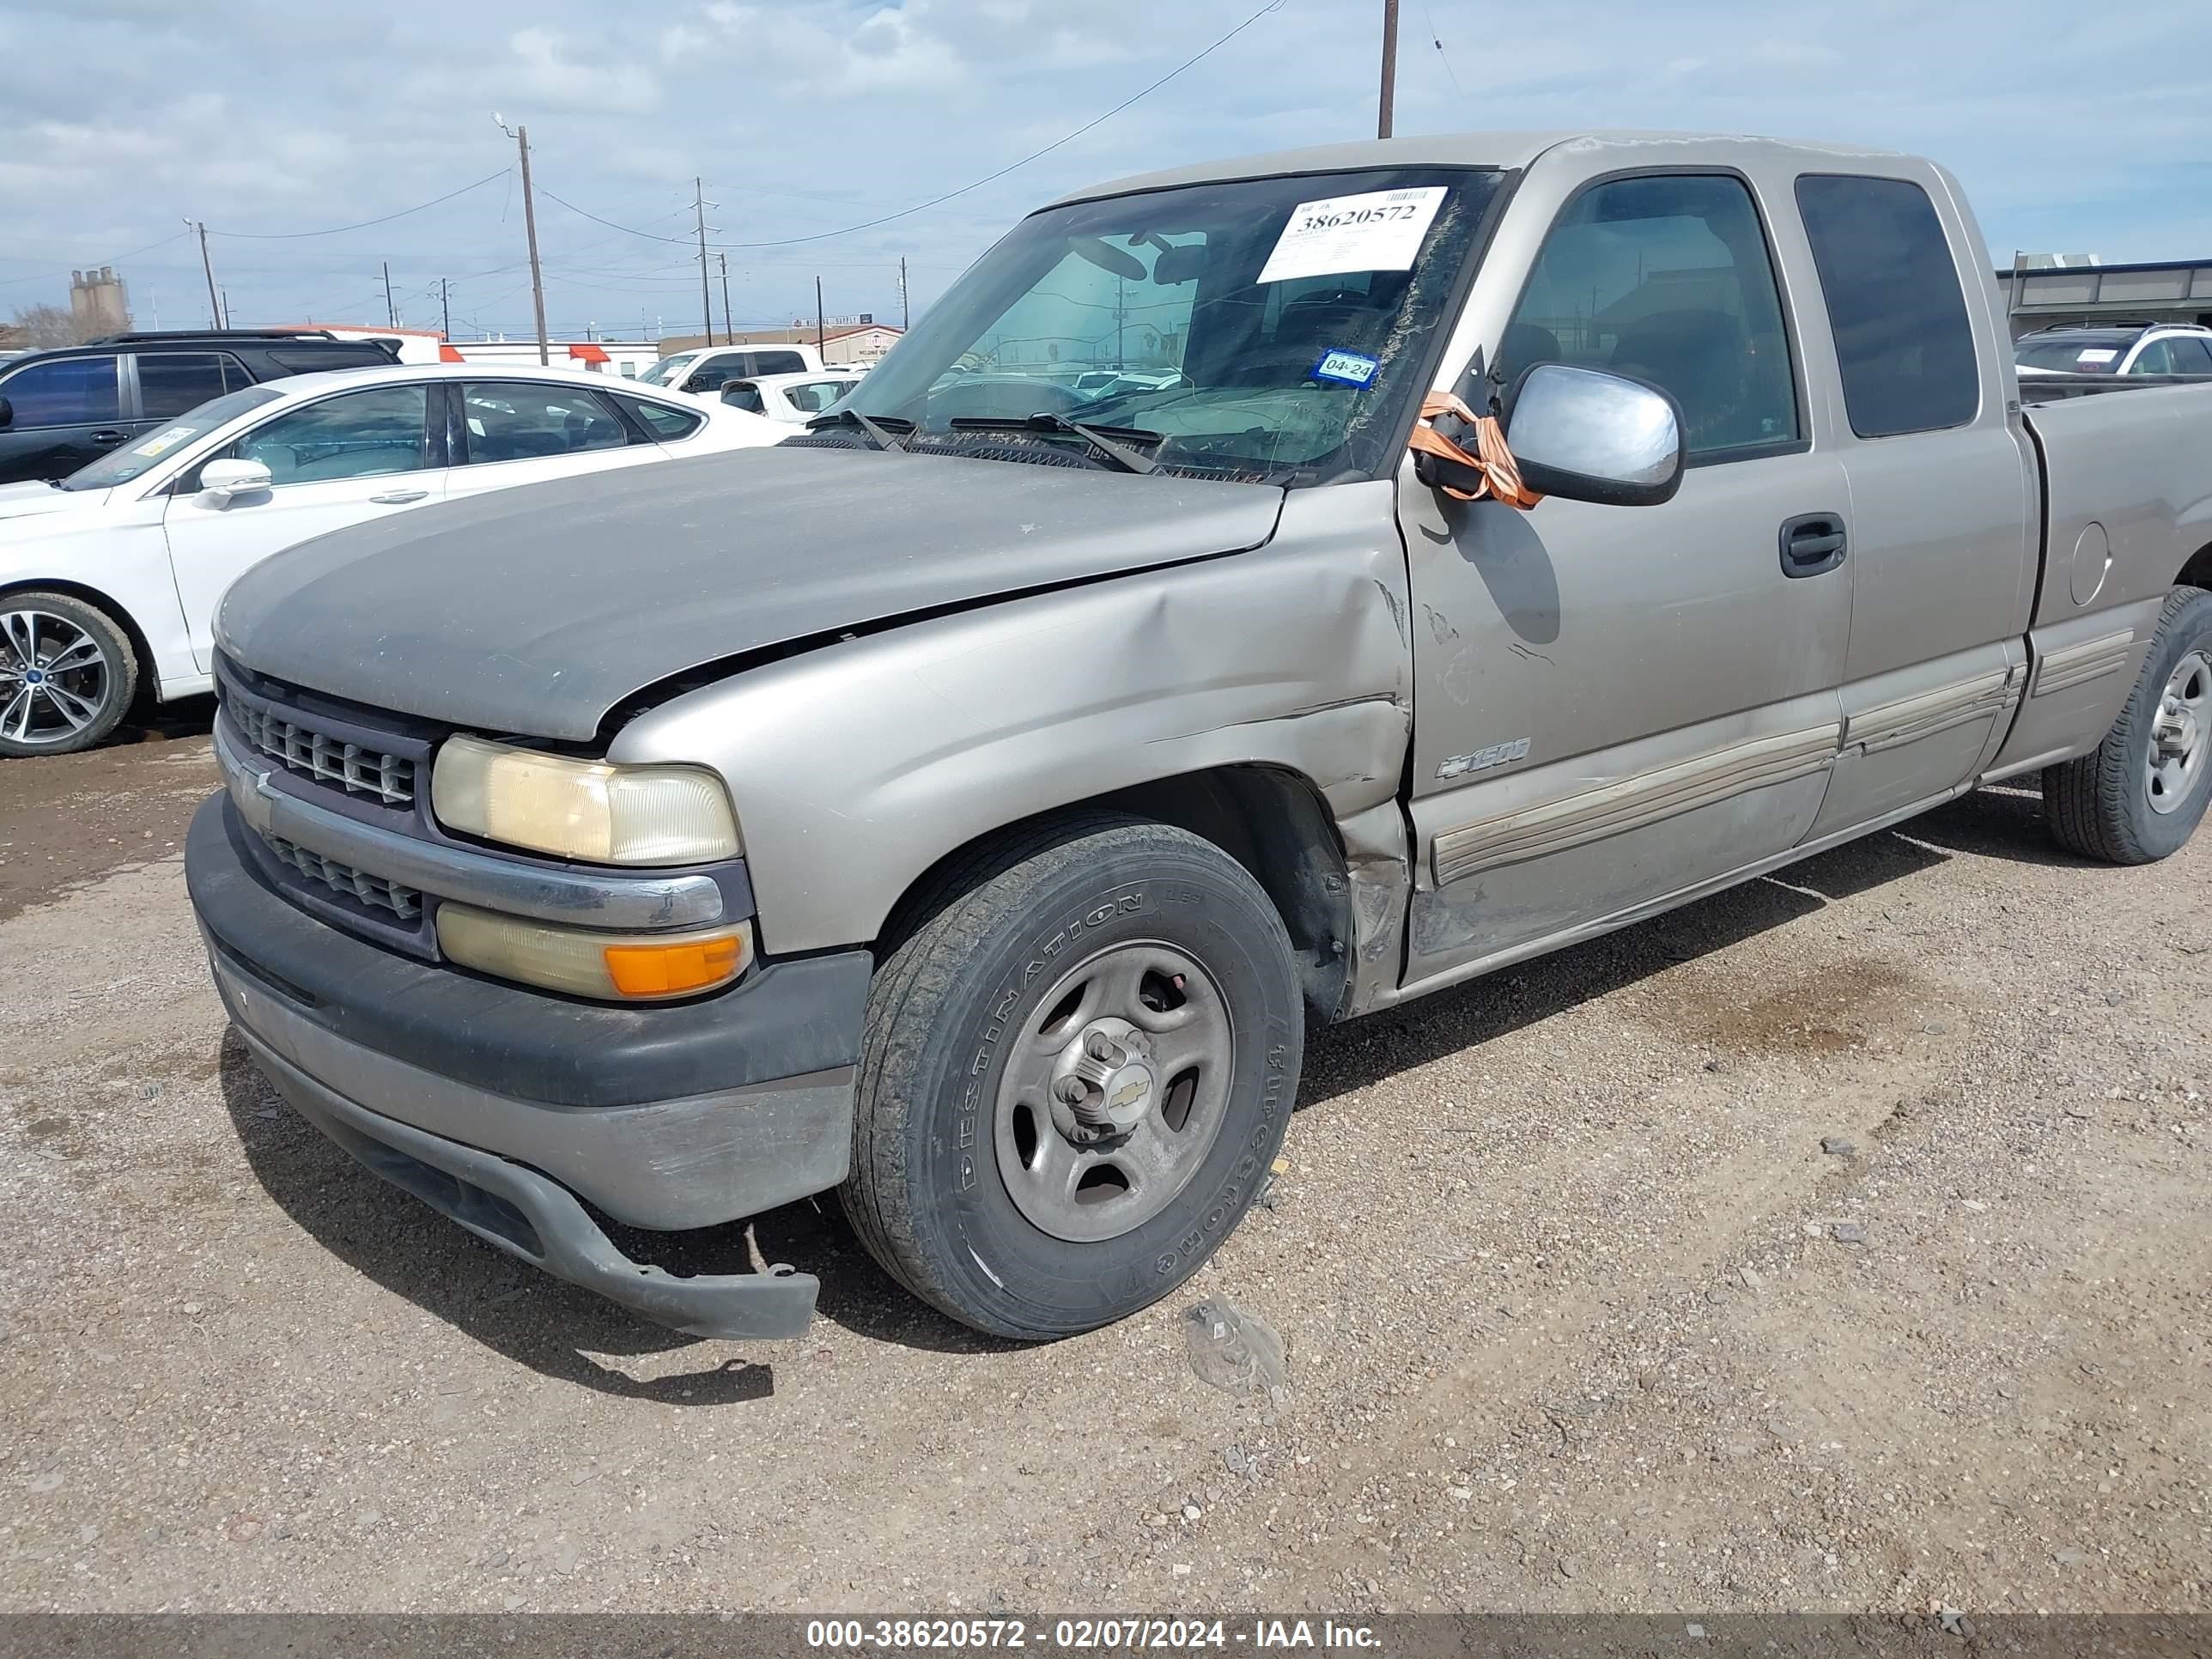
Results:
67 674
1076 1073
2138 796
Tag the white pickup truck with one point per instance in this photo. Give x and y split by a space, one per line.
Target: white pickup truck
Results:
660 846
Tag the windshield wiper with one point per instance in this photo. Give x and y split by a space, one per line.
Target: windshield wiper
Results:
890 433
1111 442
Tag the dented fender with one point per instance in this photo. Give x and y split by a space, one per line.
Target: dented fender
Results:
857 766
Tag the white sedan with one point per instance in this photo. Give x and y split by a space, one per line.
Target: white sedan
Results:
109 578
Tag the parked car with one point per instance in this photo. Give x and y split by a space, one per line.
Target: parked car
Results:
2132 349
984 848
794 397
109 578
64 409
708 368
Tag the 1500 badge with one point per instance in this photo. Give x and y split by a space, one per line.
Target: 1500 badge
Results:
1498 754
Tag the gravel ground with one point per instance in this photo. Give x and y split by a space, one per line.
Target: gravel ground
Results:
1838 1244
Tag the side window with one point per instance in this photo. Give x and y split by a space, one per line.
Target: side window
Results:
2156 358
519 421
172 383
708 378
2191 355
747 395
355 434
66 392
1903 341
664 423
1667 279
775 363
812 396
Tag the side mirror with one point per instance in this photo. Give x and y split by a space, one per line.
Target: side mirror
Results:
7 413
1589 437
222 481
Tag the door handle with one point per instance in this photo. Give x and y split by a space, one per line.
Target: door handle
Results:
105 436
1813 542
398 497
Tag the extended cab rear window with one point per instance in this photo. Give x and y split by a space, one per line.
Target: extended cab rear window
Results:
1903 341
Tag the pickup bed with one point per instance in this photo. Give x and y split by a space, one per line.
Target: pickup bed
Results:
1488 541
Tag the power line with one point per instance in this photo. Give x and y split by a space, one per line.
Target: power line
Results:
935 201
115 259
1437 41
339 230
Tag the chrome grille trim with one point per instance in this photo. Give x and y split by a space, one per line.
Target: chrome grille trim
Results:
373 891
356 770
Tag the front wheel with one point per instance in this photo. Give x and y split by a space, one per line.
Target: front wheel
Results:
67 674
1075 1076
2138 796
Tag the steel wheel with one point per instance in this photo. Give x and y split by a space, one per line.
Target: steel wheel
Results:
2178 734
56 680
1117 1092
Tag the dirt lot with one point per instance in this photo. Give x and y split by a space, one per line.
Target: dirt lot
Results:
1571 1321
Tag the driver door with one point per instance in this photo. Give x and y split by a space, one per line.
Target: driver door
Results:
340 460
1616 705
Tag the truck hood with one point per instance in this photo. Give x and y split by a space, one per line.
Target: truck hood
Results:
537 611
35 500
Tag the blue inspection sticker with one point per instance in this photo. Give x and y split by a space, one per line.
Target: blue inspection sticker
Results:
1345 368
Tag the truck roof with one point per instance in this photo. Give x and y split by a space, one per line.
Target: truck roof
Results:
1475 150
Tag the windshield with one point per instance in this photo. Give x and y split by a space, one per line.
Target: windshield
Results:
661 372
1266 328
120 466
2077 354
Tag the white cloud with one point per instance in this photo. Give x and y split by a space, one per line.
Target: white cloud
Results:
806 116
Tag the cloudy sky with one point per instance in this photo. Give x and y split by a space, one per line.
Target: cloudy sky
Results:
2075 127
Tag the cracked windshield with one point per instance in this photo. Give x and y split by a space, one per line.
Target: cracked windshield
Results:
1262 328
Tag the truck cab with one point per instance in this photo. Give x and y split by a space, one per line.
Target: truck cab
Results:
1485 542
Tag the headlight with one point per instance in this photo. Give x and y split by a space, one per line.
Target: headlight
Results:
587 810
613 966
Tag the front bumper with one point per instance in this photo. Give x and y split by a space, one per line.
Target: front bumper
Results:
510 1110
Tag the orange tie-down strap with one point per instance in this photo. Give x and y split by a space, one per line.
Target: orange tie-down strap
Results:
1500 474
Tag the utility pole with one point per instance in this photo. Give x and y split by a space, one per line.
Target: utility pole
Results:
728 337
521 136
445 309
390 311
906 317
1390 68
706 299
821 333
214 306
225 323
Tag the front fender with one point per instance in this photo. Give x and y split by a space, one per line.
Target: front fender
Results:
858 766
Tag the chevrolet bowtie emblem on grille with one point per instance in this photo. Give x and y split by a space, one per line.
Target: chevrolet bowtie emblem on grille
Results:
1498 754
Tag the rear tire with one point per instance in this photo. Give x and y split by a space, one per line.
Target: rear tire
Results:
2139 795
67 674
1075 1074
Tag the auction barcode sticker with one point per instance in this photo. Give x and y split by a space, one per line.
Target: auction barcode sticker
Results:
1379 230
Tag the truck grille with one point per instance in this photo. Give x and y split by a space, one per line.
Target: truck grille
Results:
373 891
357 769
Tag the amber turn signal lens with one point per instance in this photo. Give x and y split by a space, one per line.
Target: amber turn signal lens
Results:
671 969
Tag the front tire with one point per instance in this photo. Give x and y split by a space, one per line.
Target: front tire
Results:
2139 795
67 674
1075 1075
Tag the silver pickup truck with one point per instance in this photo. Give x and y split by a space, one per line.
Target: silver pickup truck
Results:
968 805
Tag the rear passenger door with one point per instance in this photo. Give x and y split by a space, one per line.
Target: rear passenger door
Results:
1613 705
518 432
1943 522
166 385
